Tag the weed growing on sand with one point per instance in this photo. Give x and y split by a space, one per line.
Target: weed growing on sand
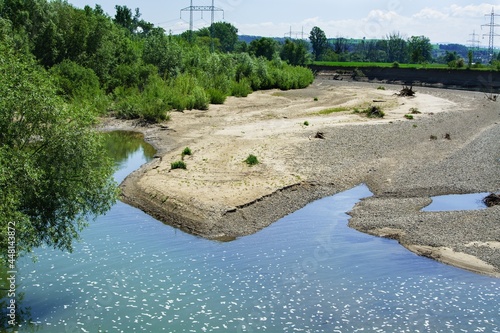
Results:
381 88
178 165
306 123
333 110
414 111
315 99
409 116
252 160
186 151
371 112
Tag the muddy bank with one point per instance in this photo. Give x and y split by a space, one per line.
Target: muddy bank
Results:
451 146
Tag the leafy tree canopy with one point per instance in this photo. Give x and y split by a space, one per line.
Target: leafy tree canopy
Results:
54 174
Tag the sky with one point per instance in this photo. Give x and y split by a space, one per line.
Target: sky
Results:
443 21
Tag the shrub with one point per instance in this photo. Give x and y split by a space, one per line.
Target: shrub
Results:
216 96
381 88
409 116
414 111
306 123
241 89
371 112
200 98
252 160
178 165
186 151
395 64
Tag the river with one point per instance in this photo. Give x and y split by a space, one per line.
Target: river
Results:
308 272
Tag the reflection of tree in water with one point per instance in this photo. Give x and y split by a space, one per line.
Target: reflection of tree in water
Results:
120 144
22 314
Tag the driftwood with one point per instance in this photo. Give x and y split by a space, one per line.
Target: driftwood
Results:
319 135
492 200
406 92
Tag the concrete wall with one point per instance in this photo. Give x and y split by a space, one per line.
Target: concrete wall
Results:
487 81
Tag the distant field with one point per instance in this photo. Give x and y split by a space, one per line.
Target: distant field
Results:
388 65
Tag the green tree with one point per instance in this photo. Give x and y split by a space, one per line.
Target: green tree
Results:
420 49
54 174
226 33
294 52
318 41
397 48
263 47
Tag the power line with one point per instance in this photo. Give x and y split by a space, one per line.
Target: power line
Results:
296 33
492 34
201 9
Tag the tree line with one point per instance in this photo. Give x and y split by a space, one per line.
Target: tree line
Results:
394 48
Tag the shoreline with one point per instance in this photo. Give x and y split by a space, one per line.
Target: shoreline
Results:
221 198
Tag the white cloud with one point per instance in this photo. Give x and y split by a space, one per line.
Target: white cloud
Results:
430 14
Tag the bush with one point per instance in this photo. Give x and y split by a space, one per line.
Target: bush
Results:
178 165
251 160
241 89
409 116
395 64
186 151
372 112
216 96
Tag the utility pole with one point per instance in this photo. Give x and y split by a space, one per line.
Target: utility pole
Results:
492 34
296 33
202 9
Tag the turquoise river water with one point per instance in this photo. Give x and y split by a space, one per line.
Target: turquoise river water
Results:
307 272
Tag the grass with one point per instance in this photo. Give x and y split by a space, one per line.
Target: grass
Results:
414 111
252 160
333 110
178 165
186 151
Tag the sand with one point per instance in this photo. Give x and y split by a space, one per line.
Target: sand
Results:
451 146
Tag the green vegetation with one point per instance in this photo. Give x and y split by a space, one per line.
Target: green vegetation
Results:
415 111
380 88
178 165
371 112
186 152
251 160
306 123
409 116
333 110
55 174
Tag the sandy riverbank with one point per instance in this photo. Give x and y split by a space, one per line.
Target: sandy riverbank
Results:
220 197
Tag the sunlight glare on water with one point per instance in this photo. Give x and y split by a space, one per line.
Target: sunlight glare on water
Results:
307 272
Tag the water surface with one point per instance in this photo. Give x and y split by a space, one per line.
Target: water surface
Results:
307 272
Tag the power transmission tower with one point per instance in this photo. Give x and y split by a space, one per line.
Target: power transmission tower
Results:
492 34
191 9
296 33
474 43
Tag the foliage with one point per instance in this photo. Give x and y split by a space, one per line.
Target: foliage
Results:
319 42
295 53
419 49
306 123
55 174
178 165
372 112
251 160
333 110
409 116
186 152
263 47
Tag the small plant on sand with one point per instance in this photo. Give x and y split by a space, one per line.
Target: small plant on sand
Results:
306 123
371 112
409 116
315 99
186 151
414 111
178 165
381 88
251 160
